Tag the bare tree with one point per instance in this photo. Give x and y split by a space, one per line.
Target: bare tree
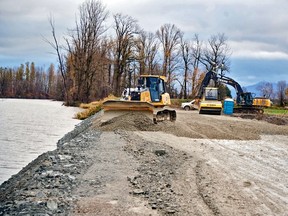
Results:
126 28
216 53
191 54
61 59
169 36
186 55
84 46
196 75
151 52
281 87
146 50
266 89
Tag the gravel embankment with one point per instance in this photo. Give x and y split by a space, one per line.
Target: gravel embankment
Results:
44 186
198 165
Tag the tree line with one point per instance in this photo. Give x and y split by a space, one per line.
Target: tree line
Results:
29 81
96 60
278 93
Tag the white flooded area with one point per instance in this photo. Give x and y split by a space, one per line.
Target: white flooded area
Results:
28 128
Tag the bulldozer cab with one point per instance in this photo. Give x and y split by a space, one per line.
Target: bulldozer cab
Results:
155 85
152 84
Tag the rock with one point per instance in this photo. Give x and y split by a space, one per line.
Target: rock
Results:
138 191
52 205
40 194
171 211
64 157
154 206
160 152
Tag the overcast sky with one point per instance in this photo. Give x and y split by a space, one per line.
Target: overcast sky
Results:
257 30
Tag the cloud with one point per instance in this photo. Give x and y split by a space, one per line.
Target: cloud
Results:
256 30
250 71
257 50
24 24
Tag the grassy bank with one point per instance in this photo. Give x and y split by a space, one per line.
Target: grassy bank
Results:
276 111
91 108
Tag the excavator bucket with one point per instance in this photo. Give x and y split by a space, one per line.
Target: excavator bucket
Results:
114 108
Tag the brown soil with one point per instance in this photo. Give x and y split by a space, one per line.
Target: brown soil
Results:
192 125
198 165
273 119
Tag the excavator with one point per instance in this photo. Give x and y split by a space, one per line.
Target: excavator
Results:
149 97
245 101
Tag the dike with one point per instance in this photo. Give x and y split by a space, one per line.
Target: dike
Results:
44 186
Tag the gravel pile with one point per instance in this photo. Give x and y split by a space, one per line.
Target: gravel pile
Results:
136 121
130 121
44 186
273 119
158 165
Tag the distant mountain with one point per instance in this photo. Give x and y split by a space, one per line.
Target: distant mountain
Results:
253 88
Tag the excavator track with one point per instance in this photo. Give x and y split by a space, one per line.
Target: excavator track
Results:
248 110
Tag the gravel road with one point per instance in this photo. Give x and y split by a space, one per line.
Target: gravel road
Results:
198 165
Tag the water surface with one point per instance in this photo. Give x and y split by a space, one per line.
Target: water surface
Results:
29 128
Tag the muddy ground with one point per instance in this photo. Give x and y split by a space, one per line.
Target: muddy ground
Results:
198 165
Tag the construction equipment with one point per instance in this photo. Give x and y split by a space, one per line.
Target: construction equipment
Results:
245 101
207 97
262 102
210 103
149 97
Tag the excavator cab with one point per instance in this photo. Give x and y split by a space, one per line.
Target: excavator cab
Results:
247 99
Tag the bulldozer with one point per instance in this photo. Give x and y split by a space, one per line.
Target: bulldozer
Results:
149 97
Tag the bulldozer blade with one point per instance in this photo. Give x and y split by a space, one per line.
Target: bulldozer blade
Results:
114 108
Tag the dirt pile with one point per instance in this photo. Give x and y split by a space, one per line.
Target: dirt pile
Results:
193 125
136 121
130 121
273 119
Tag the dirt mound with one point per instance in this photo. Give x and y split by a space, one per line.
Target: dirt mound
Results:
277 120
136 121
130 121
193 125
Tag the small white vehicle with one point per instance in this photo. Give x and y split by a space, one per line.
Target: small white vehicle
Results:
127 92
188 105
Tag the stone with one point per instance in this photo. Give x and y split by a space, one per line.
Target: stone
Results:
160 152
52 205
138 191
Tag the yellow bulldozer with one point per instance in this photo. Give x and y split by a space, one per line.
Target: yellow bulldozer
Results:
149 97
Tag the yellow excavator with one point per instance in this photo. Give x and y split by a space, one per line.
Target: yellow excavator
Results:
149 97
